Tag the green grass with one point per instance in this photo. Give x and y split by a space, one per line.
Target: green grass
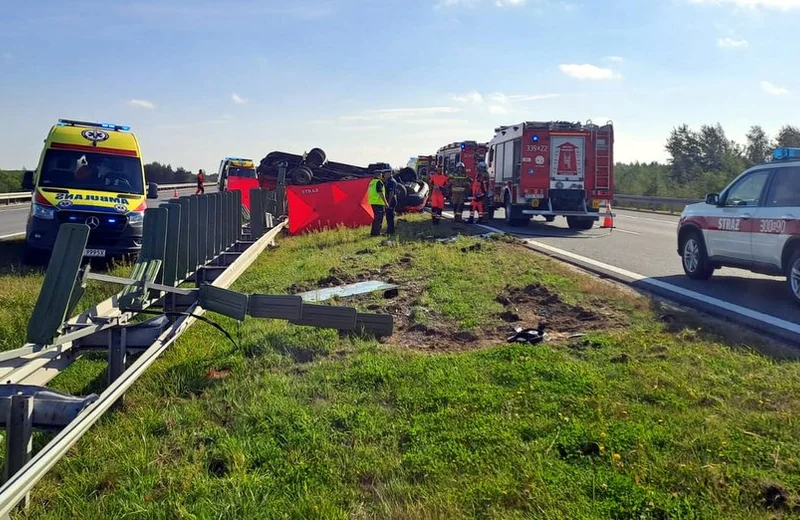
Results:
651 418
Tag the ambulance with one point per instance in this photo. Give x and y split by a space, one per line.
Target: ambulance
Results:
88 173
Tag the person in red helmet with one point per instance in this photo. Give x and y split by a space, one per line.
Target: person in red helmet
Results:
438 182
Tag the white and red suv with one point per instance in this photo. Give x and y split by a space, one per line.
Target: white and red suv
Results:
753 224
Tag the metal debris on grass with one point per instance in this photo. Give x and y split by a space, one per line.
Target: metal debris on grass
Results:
353 289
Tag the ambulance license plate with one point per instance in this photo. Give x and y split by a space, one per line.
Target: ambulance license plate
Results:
94 253
596 203
535 203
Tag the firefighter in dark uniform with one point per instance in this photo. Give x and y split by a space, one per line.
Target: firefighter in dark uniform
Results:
459 190
480 195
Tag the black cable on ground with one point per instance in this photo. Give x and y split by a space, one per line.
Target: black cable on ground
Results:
197 317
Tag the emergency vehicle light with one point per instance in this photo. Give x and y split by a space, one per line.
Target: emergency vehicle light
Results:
535 139
784 154
463 146
110 126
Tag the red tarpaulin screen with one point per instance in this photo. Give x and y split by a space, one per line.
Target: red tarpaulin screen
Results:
331 204
244 185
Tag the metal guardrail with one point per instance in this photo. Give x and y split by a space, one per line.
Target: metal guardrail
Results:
24 196
656 203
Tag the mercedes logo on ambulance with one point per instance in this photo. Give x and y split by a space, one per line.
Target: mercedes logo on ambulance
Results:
94 135
92 222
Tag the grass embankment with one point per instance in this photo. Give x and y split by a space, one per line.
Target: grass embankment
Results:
643 417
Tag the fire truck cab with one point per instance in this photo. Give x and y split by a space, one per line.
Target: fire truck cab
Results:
468 152
552 169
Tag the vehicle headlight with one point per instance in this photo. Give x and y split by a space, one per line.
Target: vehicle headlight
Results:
135 218
44 212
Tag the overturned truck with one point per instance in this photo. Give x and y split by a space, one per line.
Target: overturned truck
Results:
314 168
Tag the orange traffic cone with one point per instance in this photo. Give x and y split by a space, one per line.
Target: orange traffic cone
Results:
175 195
608 220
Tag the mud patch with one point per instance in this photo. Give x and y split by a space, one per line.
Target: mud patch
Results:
536 304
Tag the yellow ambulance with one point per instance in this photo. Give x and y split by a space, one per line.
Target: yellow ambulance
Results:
88 173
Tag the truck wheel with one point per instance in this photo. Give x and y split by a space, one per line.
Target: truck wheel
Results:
407 174
694 257
793 277
581 223
301 175
315 158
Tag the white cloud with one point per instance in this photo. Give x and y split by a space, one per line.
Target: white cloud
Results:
142 103
498 109
730 43
587 71
473 97
239 100
500 98
473 3
774 90
400 114
781 5
614 59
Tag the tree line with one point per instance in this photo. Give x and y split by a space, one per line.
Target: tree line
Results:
700 161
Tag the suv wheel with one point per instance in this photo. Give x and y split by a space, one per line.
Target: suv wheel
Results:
694 257
793 277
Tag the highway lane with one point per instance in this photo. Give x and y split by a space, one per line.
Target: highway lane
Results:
13 218
646 244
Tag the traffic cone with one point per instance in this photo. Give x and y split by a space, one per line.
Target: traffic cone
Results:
608 220
175 195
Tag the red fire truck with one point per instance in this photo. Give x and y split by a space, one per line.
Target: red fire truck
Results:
552 168
468 152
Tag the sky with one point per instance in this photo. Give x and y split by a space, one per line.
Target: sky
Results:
384 80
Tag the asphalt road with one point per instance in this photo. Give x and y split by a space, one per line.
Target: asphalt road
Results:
646 244
13 218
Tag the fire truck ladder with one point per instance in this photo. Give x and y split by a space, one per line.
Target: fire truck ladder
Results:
602 154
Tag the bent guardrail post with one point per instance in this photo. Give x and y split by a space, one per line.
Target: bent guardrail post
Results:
257 228
55 297
194 234
19 436
117 357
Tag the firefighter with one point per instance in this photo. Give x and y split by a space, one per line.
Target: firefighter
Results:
480 195
200 180
376 196
459 187
438 182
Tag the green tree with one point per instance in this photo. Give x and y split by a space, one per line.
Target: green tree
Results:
758 148
788 135
683 146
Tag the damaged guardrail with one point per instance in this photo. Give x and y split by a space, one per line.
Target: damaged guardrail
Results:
193 249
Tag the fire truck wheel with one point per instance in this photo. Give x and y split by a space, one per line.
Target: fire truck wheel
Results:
407 174
580 223
315 158
301 175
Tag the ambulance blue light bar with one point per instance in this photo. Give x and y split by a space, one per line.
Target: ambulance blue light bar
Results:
109 126
785 154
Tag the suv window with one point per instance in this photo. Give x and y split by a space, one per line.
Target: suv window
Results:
747 192
785 188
